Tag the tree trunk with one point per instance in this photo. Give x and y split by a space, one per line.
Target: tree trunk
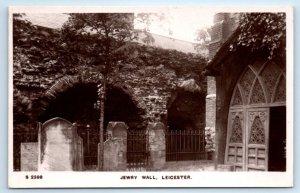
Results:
101 124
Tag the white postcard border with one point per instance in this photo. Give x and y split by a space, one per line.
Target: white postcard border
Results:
198 179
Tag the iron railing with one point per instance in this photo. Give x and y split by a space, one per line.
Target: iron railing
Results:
182 145
137 148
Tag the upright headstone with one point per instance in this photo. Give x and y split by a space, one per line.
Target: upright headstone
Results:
29 156
115 147
58 146
157 145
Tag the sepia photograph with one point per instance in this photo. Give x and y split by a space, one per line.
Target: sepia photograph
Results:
150 97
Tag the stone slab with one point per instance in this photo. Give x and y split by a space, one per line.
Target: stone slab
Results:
29 156
58 140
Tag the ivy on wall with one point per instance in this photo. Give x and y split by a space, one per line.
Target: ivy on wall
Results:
41 56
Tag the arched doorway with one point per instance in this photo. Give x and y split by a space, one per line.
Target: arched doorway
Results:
256 131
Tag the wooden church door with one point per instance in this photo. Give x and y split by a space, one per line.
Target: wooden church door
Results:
256 143
260 87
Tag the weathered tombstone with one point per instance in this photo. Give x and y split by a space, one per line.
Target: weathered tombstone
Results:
117 129
115 147
157 145
60 148
29 156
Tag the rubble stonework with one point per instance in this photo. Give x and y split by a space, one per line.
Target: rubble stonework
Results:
150 89
149 80
148 76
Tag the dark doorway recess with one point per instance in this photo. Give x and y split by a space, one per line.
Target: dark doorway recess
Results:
186 110
78 104
120 107
185 136
277 142
75 104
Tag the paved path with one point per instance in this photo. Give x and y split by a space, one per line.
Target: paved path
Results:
189 166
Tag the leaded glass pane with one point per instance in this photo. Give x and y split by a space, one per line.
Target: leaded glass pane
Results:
269 76
257 133
246 82
237 98
280 94
236 133
257 95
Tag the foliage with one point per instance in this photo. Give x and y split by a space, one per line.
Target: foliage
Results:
43 55
262 32
203 40
35 65
143 22
99 34
186 66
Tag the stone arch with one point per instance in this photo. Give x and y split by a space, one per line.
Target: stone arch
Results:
59 87
67 83
76 100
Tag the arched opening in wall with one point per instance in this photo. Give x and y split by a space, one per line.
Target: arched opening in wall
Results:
185 137
186 111
78 104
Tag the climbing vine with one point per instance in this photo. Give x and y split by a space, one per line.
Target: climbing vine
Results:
41 56
262 32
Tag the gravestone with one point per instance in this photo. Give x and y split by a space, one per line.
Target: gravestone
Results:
157 145
117 129
115 147
29 156
60 148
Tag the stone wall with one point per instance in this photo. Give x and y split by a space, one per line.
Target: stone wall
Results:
150 87
149 79
169 43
